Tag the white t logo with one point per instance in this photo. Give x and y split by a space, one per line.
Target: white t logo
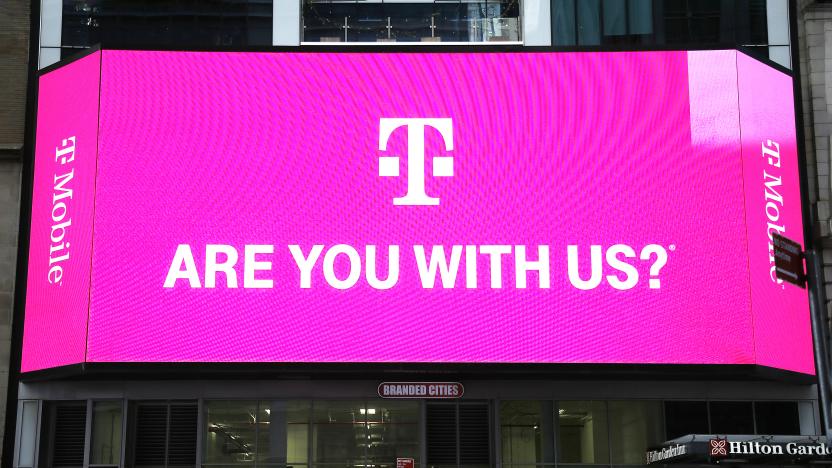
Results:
443 166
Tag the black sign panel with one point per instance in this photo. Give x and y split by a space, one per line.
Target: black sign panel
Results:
755 449
788 260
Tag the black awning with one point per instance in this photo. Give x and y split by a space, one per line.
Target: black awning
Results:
757 449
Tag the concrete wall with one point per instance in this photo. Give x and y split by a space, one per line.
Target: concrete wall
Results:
815 47
14 49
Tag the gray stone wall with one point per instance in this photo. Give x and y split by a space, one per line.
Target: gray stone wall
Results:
14 49
9 213
815 46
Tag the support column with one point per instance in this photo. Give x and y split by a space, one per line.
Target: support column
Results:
536 23
51 14
286 22
777 20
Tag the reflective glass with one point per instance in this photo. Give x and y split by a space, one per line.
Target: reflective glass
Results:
339 433
685 417
640 16
777 417
28 434
731 417
582 432
231 431
563 22
468 21
283 435
615 17
634 426
589 22
392 430
105 447
526 432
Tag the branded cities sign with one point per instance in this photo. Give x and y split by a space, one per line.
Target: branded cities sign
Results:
324 207
429 390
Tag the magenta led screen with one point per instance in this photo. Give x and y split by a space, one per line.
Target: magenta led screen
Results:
596 208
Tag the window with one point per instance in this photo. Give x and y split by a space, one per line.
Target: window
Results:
256 433
163 434
361 432
634 427
685 417
392 430
284 433
731 417
105 447
446 21
27 434
339 433
231 435
777 417
582 432
602 22
526 430
116 23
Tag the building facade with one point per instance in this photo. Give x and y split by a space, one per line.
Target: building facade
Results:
322 414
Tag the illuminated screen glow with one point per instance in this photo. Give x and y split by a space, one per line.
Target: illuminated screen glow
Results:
225 208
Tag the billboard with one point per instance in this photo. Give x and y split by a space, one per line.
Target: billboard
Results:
599 208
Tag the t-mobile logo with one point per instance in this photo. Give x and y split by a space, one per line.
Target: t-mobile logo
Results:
443 166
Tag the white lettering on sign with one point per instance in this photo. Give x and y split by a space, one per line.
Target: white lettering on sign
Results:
666 453
443 166
420 390
436 266
60 214
774 200
742 448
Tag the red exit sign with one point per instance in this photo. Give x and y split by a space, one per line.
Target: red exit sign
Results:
433 390
404 463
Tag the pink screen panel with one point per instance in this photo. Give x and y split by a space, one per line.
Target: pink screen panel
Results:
60 242
627 168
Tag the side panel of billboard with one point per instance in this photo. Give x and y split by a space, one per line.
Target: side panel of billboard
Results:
782 326
60 244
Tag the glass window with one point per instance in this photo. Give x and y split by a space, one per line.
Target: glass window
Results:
526 431
634 426
777 417
641 16
731 417
359 432
117 23
339 434
231 431
589 22
392 430
689 21
615 17
468 21
28 434
253 433
685 417
283 435
105 447
582 432
563 22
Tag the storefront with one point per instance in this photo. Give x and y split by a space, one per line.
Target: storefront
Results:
548 258
338 423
